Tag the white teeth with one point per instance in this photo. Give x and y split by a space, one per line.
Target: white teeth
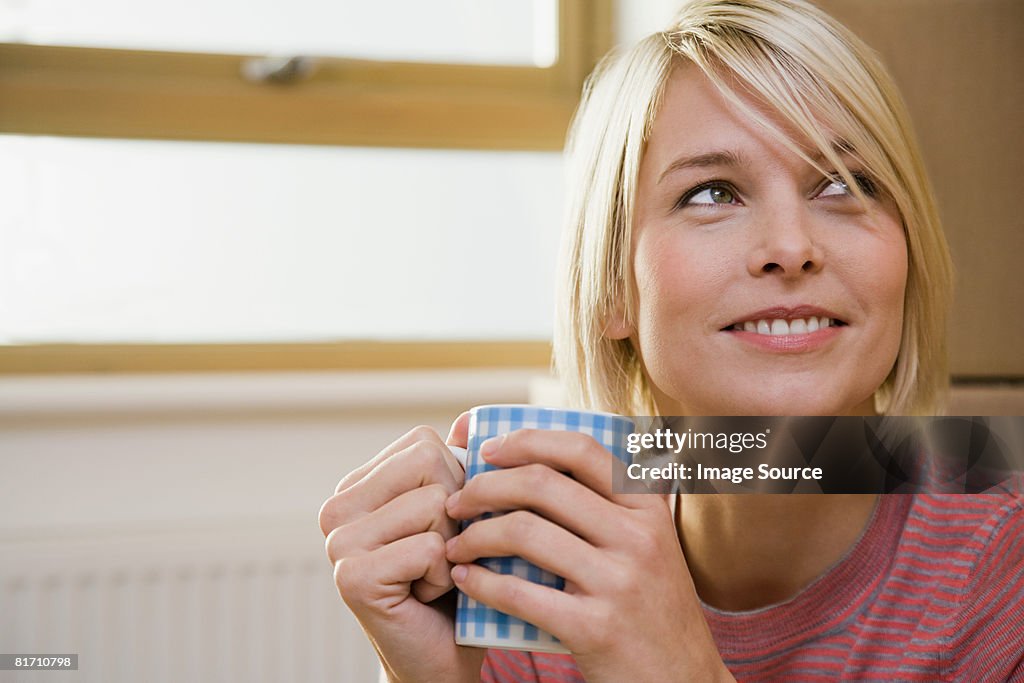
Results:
779 327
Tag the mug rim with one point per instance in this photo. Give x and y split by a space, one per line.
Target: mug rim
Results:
581 411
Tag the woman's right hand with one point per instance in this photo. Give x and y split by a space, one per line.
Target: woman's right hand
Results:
386 528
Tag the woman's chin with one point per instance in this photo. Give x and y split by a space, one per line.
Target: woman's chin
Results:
790 403
801 407
752 394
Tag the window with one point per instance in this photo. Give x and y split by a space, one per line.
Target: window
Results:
134 254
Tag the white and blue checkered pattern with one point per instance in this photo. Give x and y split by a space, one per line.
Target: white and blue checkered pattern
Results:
475 623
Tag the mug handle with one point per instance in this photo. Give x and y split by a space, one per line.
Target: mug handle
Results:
460 455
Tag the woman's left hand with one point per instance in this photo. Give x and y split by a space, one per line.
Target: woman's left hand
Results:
629 611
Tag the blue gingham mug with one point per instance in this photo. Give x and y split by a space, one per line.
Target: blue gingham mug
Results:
476 624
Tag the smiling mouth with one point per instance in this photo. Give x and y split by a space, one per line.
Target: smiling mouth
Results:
777 327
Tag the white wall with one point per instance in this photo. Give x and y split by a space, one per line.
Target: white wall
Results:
635 19
96 451
135 510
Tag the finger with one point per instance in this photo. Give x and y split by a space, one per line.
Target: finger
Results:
421 464
576 454
379 581
459 434
533 538
547 608
413 512
420 433
549 493
413 436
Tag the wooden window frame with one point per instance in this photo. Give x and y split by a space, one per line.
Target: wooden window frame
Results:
41 359
135 94
46 90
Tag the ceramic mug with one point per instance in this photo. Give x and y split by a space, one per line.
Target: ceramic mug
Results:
475 623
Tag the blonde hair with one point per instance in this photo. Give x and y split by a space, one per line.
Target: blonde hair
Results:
814 74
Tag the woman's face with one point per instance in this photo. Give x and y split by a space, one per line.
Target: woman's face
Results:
742 254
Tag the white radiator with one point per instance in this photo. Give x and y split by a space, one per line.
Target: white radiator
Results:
248 602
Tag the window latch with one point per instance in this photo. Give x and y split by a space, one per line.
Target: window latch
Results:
279 70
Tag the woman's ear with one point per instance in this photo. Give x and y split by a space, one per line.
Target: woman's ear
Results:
617 325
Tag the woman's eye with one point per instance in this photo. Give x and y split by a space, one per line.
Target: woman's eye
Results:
835 188
838 187
715 194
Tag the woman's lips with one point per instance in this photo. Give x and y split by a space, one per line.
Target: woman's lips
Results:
788 343
777 326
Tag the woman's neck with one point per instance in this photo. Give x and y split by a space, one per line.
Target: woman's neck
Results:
747 551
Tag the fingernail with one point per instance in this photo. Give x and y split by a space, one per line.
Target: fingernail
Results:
491 446
450 543
459 572
453 500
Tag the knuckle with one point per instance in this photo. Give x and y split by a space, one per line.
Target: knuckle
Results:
586 447
516 435
599 626
436 495
539 478
331 514
348 578
338 542
510 592
522 439
424 454
336 511
434 546
346 481
645 542
325 518
435 453
428 458
519 524
619 580
421 433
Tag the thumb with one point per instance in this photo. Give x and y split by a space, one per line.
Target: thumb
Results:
459 434
458 437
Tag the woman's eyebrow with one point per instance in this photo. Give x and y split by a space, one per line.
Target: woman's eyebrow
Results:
717 158
840 147
733 158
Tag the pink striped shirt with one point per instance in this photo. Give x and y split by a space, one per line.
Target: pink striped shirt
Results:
933 590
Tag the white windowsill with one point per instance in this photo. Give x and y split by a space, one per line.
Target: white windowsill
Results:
73 395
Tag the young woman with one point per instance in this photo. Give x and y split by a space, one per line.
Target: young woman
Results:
750 233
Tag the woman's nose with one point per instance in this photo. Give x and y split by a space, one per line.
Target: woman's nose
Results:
785 246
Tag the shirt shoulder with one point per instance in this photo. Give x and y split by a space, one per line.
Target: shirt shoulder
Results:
981 536
974 546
